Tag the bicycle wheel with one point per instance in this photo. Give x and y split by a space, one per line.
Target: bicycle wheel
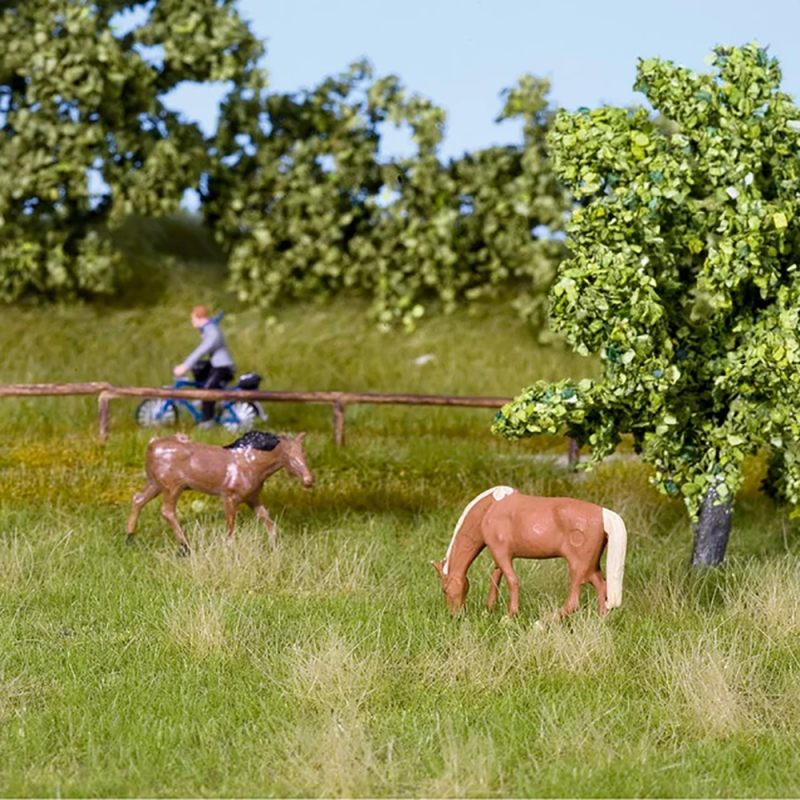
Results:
151 413
239 416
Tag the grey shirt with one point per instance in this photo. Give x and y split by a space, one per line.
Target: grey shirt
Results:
214 344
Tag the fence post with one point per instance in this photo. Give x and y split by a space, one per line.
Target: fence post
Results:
103 416
574 455
338 423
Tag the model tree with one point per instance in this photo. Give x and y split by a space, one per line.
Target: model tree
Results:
292 181
302 201
85 137
684 278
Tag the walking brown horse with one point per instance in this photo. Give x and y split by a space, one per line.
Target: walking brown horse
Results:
514 525
236 472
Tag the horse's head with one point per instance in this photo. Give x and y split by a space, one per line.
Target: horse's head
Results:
455 588
293 459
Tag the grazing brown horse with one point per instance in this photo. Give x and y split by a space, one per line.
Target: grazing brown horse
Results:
514 525
236 472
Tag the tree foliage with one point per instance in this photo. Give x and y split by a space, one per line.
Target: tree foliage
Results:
464 230
683 277
85 135
302 201
290 183
293 185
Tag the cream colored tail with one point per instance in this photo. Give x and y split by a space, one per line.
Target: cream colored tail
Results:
615 561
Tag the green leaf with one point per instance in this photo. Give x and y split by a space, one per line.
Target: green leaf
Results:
779 220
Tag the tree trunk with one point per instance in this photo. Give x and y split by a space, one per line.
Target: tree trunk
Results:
711 531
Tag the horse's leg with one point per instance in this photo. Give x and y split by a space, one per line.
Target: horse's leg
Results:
262 513
140 500
576 573
231 504
599 582
494 585
168 512
503 562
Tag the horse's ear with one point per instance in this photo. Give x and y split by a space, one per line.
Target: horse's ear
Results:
438 566
300 436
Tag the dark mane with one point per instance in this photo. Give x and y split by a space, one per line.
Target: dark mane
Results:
258 440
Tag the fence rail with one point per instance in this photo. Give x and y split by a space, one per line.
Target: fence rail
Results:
105 392
51 389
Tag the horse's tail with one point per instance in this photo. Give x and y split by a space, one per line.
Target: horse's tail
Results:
615 561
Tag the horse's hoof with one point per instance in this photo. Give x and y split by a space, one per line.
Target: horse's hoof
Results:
183 551
130 541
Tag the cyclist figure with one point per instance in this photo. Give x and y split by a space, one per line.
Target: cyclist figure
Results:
222 367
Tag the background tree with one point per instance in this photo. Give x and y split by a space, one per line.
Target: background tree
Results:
302 201
513 207
684 279
293 185
469 229
85 136
290 184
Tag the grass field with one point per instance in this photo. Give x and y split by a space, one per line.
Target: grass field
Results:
330 666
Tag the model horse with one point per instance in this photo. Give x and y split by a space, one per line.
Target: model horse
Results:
236 472
514 525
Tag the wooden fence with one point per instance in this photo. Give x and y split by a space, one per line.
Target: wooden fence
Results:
105 392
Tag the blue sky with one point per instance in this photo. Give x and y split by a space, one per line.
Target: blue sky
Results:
462 53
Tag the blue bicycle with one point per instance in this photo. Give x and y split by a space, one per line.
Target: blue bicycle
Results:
236 416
